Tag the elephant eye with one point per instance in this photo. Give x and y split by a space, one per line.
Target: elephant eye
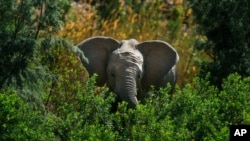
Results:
112 74
120 45
139 75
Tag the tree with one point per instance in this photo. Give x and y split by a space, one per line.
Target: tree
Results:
225 24
26 30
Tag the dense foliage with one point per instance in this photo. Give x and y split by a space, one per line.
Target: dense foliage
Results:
225 25
26 28
196 112
45 93
28 46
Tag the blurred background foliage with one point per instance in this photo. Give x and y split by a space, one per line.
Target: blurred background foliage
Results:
227 37
45 93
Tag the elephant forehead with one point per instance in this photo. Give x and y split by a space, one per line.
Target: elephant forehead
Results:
137 59
129 58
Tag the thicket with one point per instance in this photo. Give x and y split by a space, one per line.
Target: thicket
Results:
199 111
28 45
45 93
225 27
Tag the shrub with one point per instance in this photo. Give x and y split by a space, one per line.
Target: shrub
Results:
227 37
197 112
88 116
206 112
19 121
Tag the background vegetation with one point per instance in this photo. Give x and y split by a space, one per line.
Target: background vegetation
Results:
227 34
45 93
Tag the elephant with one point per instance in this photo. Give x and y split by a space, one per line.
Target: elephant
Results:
128 66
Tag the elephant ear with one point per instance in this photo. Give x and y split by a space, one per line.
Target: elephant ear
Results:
97 50
159 58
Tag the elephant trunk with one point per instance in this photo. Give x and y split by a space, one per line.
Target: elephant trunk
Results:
127 92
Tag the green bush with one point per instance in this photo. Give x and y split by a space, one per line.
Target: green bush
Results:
19 121
88 116
206 112
227 37
199 111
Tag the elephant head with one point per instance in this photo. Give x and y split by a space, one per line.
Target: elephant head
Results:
129 65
